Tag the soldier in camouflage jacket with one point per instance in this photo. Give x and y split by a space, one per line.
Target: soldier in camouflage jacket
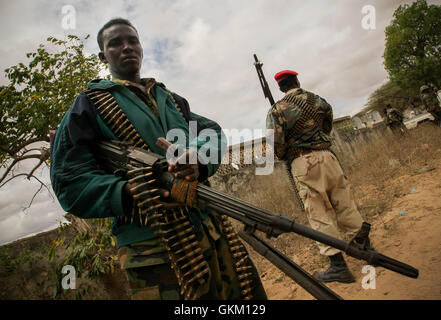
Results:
301 124
430 101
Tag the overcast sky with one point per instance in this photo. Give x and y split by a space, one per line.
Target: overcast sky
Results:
203 50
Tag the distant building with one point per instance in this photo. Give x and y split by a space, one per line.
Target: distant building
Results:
368 119
343 124
358 124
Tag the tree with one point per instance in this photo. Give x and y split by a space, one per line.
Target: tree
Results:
37 97
390 93
412 54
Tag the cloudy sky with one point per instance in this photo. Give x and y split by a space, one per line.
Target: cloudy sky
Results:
203 50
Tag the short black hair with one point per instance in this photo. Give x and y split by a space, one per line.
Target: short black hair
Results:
108 25
288 82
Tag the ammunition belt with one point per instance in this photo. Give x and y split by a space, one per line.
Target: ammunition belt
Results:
310 122
240 258
172 226
114 117
309 117
293 186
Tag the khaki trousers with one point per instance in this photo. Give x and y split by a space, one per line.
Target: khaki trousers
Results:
326 195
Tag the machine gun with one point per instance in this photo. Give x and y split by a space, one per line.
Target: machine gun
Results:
119 158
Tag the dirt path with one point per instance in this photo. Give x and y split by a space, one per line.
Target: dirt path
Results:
414 237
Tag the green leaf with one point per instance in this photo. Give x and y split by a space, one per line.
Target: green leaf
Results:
412 54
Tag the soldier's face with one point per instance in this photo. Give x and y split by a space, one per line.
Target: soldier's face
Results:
122 51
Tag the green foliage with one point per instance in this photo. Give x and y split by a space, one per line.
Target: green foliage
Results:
41 91
10 264
87 253
390 93
412 55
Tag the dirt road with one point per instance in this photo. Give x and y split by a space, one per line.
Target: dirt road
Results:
410 231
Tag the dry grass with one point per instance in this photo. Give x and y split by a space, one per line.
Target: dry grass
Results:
375 164
391 156
369 170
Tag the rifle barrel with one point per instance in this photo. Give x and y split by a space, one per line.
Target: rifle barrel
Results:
290 268
263 83
275 225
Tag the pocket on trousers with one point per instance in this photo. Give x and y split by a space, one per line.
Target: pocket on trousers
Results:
300 166
142 254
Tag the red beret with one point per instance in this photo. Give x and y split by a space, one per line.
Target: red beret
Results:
283 74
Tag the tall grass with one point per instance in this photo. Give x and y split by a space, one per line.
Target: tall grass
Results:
392 155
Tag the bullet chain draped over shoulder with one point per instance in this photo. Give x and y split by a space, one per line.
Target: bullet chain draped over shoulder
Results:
172 226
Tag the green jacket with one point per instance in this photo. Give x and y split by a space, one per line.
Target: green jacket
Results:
86 191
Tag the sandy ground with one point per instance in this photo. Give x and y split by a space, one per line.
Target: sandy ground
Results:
413 237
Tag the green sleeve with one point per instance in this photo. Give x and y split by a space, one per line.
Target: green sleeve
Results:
81 187
210 143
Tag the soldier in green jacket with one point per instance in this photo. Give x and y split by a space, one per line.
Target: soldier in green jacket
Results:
301 125
208 261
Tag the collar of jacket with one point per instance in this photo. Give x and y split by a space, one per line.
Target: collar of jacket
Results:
295 91
145 86
141 117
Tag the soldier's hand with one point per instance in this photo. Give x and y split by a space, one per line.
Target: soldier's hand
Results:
181 168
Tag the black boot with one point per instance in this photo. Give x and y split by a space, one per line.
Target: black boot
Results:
338 271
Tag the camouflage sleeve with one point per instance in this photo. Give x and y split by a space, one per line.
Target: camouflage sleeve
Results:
275 126
328 116
429 101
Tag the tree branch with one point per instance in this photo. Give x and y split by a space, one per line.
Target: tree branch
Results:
15 161
33 149
25 174
35 168
12 152
33 197
28 142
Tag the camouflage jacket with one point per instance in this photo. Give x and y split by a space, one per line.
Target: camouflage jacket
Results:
394 116
430 101
295 128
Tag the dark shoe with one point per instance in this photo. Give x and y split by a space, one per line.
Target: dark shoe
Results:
334 273
338 271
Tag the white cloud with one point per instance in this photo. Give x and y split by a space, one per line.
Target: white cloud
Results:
203 50
16 219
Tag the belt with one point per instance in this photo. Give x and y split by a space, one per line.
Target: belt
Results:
294 152
301 152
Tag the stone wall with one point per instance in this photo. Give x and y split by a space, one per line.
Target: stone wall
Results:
236 175
348 142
